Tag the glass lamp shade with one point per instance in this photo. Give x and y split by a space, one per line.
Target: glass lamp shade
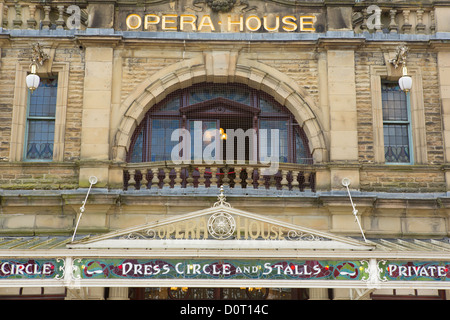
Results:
405 83
33 81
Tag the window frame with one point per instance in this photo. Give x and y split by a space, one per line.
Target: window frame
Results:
38 118
20 108
417 112
195 114
401 122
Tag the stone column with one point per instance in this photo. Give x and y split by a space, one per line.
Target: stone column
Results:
96 294
118 294
341 294
85 294
318 294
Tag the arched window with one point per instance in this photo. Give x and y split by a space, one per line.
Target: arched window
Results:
224 107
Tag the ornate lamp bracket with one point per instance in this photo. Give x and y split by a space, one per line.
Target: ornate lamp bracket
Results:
405 81
400 56
38 57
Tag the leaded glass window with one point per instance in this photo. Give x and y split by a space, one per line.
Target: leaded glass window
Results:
396 124
138 148
233 93
161 144
272 150
222 107
41 121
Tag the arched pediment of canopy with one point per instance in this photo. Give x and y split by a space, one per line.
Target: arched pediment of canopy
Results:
224 67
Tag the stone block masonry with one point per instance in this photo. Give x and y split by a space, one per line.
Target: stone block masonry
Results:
38 176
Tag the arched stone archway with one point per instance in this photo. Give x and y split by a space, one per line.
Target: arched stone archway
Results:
220 67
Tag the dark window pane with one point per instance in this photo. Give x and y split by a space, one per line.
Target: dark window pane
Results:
267 106
170 106
300 150
40 139
396 143
138 147
281 126
43 100
231 93
394 103
161 146
41 121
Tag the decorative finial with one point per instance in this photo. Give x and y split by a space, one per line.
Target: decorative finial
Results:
222 200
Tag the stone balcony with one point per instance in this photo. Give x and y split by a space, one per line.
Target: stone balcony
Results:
35 15
165 175
394 18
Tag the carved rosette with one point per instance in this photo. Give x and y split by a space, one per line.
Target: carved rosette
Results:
221 225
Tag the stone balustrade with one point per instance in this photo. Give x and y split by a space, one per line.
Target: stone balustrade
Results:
393 20
160 175
35 16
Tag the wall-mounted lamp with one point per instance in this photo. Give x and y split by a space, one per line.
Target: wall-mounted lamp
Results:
405 82
37 59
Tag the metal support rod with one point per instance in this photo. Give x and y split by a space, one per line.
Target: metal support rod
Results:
93 180
346 183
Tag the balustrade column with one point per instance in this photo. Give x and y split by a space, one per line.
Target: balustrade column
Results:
46 21
4 13
213 176
132 181
249 179
155 178
238 180
432 22
166 179
201 179
17 22
393 27
31 22
189 177
60 21
226 178
261 178
284 181
294 182
406 25
420 27
178 179
144 181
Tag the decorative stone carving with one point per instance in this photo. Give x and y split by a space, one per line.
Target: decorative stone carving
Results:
221 5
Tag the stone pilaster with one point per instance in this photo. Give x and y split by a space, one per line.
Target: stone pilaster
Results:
118 294
444 91
342 115
95 140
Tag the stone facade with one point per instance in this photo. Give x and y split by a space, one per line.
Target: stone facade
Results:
109 77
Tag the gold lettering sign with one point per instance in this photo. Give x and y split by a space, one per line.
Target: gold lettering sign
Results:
224 226
226 23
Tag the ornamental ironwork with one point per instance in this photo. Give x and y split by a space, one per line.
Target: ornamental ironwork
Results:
221 225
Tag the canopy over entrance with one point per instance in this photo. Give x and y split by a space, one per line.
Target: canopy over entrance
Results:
220 227
223 246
